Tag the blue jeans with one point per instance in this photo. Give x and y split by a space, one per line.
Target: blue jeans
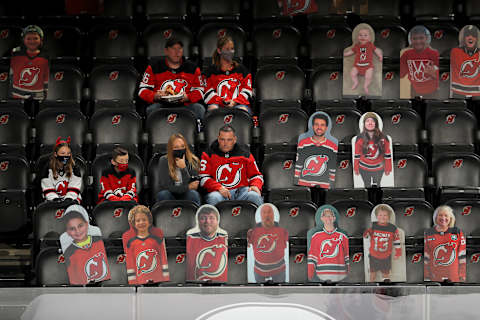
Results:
197 108
241 193
191 195
238 106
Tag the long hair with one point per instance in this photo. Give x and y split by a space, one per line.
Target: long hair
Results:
448 210
189 156
378 137
57 166
216 56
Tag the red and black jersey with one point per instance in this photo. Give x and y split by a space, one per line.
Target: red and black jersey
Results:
383 238
28 75
117 184
316 163
233 85
364 55
146 258
413 64
269 250
445 255
207 259
465 72
232 170
185 79
374 159
62 187
88 263
328 256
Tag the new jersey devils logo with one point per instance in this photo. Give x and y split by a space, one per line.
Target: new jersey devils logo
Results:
401 163
351 212
357 257
61 187
340 119
167 34
445 76
344 164
58 34
236 211
331 33
333 76
466 210
211 262
113 75
228 88
438 34
315 165
178 85
416 257
176 212
444 254
146 261
61 259
180 258
389 75
96 268
4 118
469 69
280 75
267 243
172 118
4 165
228 119
408 211
113 34
239 259
329 248
120 259
283 118
4 33
450 119
60 118
475 258
385 33
277 33
229 174
293 212
287 164
29 76
117 213
299 258
58 76
3 76
59 213
457 163
116 119
396 118
221 33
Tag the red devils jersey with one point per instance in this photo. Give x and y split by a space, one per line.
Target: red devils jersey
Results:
445 255
383 238
146 257
207 259
464 72
87 264
269 250
233 85
62 187
316 163
373 160
364 55
28 75
328 255
186 79
232 170
414 63
117 184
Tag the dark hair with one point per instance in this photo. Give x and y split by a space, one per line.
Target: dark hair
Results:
173 41
118 151
378 137
57 166
226 128
320 116
216 56
72 215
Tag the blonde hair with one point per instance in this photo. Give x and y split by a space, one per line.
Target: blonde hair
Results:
386 208
449 211
136 210
189 156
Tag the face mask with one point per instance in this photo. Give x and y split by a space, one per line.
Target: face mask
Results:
122 167
179 153
227 54
63 159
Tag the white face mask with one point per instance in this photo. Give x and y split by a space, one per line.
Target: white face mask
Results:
227 54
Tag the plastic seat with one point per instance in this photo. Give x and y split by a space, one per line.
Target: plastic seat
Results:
444 38
63 42
113 41
412 216
238 119
473 270
224 10
356 274
280 128
327 83
391 38
4 79
276 43
268 10
297 217
14 130
13 212
48 222
237 217
327 42
14 172
467 216
237 265
382 9
298 258
65 83
175 218
344 124
9 39
157 34
415 264
115 10
112 218
177 264
114 81
50 268
391 82
355 216
423 10
117 265
177 10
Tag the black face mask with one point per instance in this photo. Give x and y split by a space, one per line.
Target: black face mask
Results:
63 159
179 153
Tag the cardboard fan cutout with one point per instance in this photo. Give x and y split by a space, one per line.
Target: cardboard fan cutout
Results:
465 63
316 154
419 66
445 249
83 248
384 247
362 64
328 257
144 246
207 247
372 154
267 251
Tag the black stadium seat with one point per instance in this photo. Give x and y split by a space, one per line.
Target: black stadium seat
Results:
14 172
50 268
176 10
297 264
9 39
14 130
391 38
238 119
297 217
276 43
236 217
415 264
117 265
356 273
344 124
237 265
412 216
13 211
113 81
177 264
63 42
467 216
327 42
423 9
65 83
48 224
223 10
157 34
112 218
391 81
444 38
354 216
326 82
113 41
175 218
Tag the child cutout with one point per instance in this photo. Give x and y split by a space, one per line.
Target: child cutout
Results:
384 247
363 49
328 257
83 248
267 251
144 246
